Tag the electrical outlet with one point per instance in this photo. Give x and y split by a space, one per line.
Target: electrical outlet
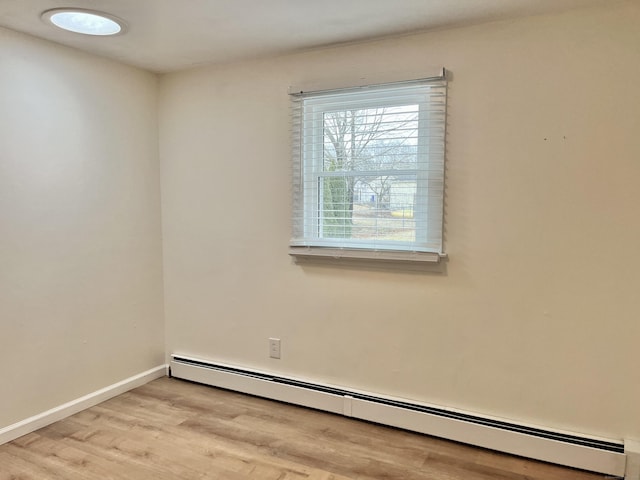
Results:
274 347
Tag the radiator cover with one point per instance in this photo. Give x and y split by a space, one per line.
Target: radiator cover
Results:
587 453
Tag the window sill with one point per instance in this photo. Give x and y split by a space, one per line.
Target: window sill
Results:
378 257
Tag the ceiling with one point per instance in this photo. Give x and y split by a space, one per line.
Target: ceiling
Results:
168 35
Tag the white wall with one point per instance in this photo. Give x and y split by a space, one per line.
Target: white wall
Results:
536 317
80 239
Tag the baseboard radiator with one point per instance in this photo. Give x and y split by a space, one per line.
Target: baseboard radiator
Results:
596 455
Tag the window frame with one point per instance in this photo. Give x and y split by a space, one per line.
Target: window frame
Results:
308 173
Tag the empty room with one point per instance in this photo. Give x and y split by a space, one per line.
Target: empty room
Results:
334 240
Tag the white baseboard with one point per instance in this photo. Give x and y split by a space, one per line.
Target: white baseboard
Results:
43 419
583 452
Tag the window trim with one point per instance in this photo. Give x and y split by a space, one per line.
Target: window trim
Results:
315 252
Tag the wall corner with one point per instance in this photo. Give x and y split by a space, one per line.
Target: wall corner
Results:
632 451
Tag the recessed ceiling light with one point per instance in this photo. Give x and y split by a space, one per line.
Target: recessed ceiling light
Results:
87 22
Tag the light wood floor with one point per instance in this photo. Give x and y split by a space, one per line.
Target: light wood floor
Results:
171 429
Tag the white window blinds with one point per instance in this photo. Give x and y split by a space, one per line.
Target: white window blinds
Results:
368 167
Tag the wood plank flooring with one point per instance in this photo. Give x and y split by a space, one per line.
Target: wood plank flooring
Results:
171 429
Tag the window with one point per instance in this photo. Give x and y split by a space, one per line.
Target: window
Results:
368 171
